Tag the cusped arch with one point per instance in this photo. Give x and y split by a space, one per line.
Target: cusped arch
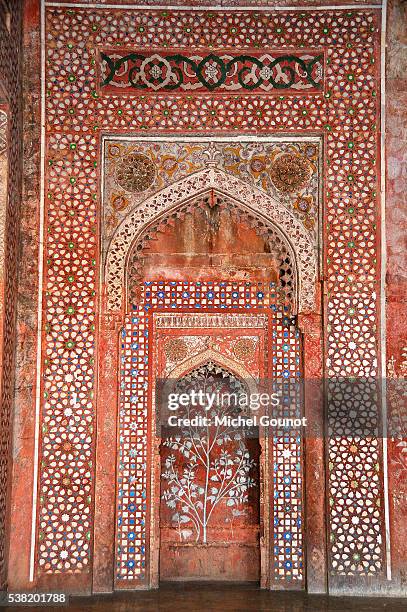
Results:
212 356
248 197
276 242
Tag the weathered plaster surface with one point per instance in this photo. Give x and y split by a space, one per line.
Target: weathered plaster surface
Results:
396 279
24 399
10 97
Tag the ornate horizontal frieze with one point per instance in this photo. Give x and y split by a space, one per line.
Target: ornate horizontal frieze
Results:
144 71
182 320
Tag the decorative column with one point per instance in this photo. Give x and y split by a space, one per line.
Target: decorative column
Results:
314 453
105 459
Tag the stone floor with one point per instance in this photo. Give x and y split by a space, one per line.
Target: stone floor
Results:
224 598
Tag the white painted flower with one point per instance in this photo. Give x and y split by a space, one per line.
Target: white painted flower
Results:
211 71
156 71
265 73
65 518
64 554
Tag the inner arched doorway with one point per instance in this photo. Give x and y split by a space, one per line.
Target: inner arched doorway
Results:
210 482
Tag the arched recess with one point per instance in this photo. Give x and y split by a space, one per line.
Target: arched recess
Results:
220 213
247 197
259 563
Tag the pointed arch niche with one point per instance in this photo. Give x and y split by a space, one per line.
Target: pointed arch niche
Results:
240 558
293 253
264 210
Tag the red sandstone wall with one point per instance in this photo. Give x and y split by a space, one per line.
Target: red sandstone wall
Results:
24 406
27 303
396 278
10 90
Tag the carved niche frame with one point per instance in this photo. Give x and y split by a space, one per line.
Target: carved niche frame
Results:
113 308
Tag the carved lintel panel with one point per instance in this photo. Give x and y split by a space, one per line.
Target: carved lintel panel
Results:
141 71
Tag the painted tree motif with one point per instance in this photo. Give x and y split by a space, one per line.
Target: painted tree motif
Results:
209 465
